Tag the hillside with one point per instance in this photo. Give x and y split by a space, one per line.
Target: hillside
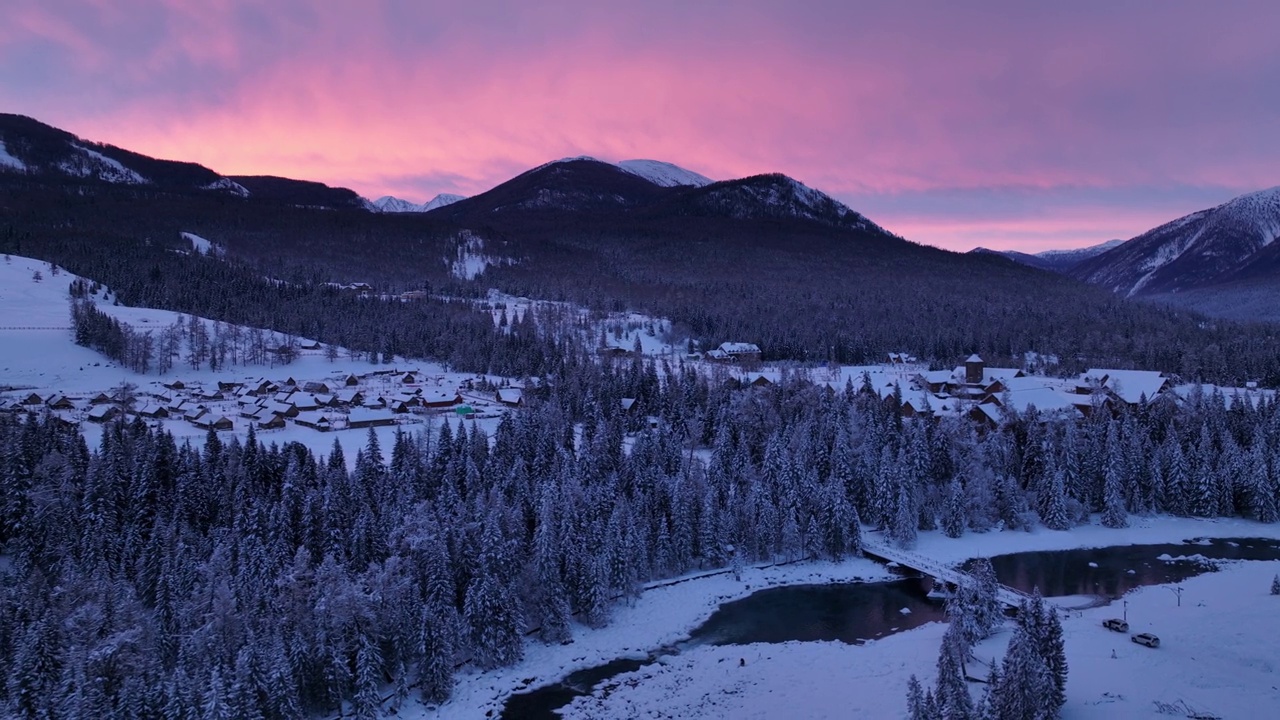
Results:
1232 241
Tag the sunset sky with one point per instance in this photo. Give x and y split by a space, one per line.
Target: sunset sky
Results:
1021 125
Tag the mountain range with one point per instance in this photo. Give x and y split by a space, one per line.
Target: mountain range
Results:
764 259
1059 261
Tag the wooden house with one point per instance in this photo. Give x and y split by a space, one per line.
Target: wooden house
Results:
409 378
627 404
288 410
209 421
511 397
348 396
315 421
741 352
351 380
261 386
152 410
366 418
304 402
102 413
268 421
58 401
99 398
441 398
316 388
32 399
175 384
206 394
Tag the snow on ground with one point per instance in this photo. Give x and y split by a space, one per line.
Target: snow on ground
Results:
37 354
661 616
202 246
1210 657
9 162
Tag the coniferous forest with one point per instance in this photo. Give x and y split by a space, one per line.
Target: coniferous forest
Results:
231 579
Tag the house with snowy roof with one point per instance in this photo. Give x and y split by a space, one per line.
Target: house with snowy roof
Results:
511 397
367 418
1127 386
102 413
314 420
738 352
211 421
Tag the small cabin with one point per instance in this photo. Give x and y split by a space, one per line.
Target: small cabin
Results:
316 388
365 418
511 397
440 399
210 421
102 413
175 384
153 410
271 422
315 421
60 402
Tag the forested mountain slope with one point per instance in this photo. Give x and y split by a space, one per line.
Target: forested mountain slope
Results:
762 259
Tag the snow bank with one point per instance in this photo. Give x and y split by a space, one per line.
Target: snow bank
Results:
1210 660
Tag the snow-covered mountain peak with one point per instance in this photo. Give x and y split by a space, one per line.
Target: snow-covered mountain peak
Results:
390 204
1081 253
664 173
442 200
1196 250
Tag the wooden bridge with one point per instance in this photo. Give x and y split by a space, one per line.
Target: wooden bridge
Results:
877 548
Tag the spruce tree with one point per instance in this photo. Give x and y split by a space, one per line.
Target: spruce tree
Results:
1275 585
1113 512
952 695
1055 503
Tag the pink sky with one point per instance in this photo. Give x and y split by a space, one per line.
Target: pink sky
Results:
1010 125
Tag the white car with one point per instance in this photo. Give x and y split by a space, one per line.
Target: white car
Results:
1147 639
1116 624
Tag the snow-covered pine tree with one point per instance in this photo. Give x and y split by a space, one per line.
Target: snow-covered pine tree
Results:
1113 512
915 700
1275 585
951 694
903 522
493 622
1026 683
1054 507
953 513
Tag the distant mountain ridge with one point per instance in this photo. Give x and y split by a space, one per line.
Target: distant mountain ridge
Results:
1230 242
389 204
1059 261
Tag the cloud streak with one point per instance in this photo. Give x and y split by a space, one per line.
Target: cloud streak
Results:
997 123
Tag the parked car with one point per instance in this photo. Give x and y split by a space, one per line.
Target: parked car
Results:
1147 639
1116 624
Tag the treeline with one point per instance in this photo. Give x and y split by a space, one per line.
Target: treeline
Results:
454 332
802 291
150 579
